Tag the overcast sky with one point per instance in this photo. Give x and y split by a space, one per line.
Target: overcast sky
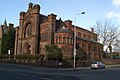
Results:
65 9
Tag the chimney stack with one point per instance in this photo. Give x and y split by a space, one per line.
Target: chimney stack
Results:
92 30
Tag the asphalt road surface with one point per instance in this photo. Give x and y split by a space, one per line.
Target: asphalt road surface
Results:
24 72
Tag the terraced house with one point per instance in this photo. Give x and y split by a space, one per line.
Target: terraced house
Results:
37 30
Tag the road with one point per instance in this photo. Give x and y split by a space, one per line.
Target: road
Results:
25 72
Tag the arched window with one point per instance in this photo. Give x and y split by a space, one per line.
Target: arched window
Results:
60 40
28 30
64 40
69 40
56 40
79 34
27 48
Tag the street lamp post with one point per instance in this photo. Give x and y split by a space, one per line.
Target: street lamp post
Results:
75 50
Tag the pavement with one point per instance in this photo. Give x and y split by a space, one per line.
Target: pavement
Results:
81 68
87 68
117 65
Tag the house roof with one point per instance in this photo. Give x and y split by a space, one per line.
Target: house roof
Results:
64 30
87 40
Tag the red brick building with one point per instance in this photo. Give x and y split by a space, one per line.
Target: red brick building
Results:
37 30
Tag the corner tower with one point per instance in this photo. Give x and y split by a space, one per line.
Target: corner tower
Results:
28 33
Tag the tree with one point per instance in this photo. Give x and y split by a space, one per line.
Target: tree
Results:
11 39
107 33
53 52
8 40
116 44
3 43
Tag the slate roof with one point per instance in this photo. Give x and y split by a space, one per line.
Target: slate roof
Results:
64 30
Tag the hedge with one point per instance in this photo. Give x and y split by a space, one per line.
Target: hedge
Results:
22 58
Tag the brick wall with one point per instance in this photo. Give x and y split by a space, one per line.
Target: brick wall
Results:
111 61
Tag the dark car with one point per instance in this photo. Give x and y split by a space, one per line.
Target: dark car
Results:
97 65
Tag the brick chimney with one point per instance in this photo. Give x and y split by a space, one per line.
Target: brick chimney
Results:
92 30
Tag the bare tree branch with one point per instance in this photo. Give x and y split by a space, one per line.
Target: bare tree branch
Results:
107 33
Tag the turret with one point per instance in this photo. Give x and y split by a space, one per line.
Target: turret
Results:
52 17
30 5
52 26
36 9
22 14
11 26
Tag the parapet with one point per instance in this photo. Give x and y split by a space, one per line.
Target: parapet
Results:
68 23
10 24
51 16
30 5
22 14
36 6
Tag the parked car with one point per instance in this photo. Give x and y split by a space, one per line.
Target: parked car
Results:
97 65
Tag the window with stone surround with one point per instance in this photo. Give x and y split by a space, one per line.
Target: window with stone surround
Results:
89 37
60 39
64 40
28 30
84 36
84 46
69 40
27 48
56 40
89 47
79 34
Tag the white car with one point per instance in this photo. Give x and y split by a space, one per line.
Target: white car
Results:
97 65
